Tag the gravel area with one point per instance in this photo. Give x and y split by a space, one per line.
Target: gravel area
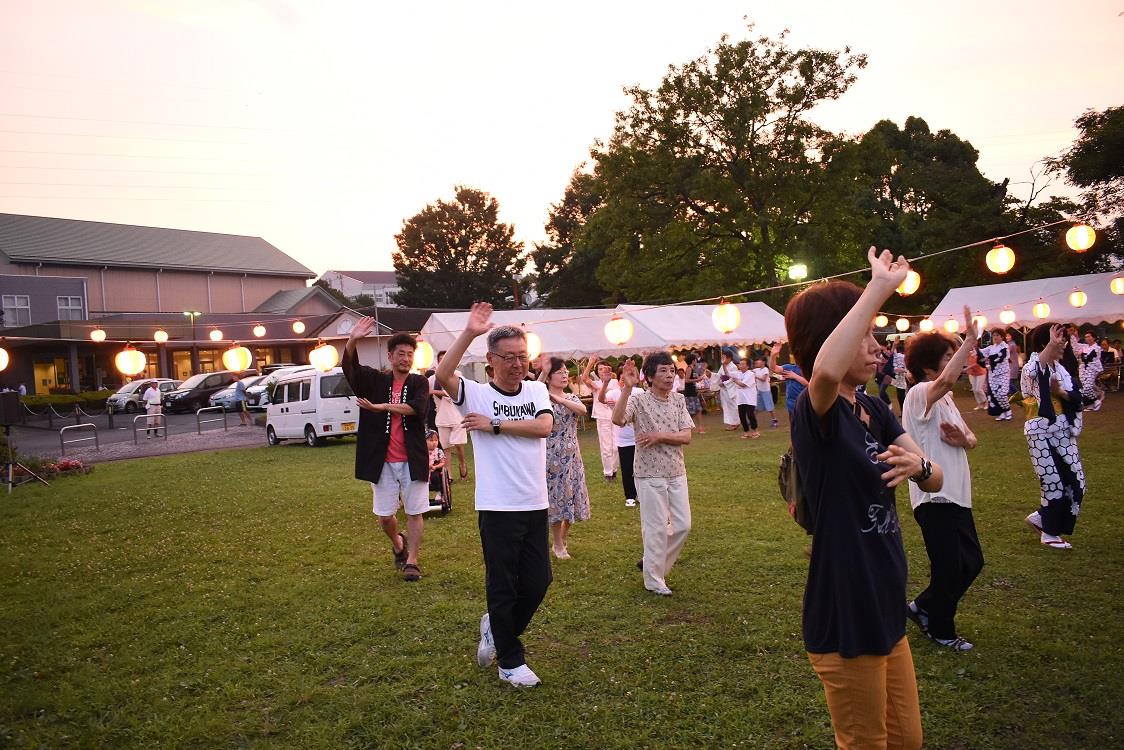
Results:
211 440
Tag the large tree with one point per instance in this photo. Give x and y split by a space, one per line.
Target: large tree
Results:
567 263
457 252
707 179
1095 161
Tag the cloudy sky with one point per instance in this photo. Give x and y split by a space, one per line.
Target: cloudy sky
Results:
321 126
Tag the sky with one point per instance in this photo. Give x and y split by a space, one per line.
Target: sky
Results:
322 126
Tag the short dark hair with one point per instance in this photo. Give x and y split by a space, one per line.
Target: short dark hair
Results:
812 315
653 361
925 351
399 339
441 354
690 359
556 364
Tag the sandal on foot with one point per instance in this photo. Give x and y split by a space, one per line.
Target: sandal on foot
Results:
1057 543
400 557
411 572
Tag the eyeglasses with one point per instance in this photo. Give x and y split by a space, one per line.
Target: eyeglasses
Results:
510 359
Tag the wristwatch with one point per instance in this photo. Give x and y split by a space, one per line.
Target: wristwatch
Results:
925 473
496 426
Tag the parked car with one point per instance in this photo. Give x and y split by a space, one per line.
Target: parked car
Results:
225 397
194 393
311 405
258 395
130 397
266 369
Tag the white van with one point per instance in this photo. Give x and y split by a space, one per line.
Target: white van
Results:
311 405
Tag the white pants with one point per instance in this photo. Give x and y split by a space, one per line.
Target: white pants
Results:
608 446
979 388
729 407
665 521
152 423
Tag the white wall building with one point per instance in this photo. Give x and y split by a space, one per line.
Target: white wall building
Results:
380 285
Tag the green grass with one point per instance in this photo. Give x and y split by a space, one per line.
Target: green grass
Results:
247 599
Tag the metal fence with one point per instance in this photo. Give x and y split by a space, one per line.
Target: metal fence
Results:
63 442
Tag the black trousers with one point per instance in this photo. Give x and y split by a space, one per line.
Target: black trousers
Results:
516 575
955 559
882 394
626 453
747 413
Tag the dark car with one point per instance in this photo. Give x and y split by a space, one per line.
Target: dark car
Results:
195 392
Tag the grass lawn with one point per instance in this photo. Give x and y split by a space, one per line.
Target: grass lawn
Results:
247 598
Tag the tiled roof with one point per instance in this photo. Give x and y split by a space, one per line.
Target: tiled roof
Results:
366 277
286 300
38 239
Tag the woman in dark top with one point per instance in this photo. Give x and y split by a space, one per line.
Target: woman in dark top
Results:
851 454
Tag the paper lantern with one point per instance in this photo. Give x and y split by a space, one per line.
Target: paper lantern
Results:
298 327
1078 298
926 325
237 358
1007 317
618 330
1000 259
980 321
951 325
325 356
3 358
798 272
161 336
902 325
423 356
1116 286
911 284
1041 310
259 330
130 361
97 335
881 321
726 317
534 344
216 334
1080 237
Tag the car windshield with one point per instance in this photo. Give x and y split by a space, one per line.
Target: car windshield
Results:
130 387
193 381
332 386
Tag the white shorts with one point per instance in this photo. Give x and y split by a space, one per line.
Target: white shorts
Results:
394 486
452 435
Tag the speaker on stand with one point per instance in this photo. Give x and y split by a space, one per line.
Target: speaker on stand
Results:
10 414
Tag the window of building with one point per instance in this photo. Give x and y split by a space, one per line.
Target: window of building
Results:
17 310
70 308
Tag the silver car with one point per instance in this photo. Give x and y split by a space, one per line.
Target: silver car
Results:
257 395
130 397
225 397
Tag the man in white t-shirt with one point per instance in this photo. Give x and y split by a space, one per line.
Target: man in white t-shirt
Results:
509 419
448 421
152 398
602 414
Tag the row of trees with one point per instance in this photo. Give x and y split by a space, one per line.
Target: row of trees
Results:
718 181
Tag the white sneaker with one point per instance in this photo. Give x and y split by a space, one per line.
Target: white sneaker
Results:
521 676
486 649
630 502
662 591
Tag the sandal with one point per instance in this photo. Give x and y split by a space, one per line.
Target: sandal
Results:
1057 543
464 472
400 557
411 572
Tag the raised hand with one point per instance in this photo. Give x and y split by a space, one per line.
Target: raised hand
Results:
884 269
361 328
479 319
629 376
953 435
969 327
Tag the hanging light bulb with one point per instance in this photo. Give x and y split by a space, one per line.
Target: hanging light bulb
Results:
980 321
911 284
97 335
1000 259
259 330
161 336
797 272
951 325
534 345
1078 298
3 358
423 356
1041 310
618 330
1116 286
298 327
130 361
1007 317
881 321
726 317
902 325
325 356
237 358
926 325
1080 237
216 334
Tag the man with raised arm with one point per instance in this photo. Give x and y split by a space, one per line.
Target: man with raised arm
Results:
509 419
663 426
391 452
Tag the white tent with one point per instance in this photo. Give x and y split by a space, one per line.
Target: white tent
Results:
691 326
1021 296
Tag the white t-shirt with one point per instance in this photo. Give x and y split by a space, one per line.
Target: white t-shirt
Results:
447 414
747 395
151 396
622 436
510 470
761 374
600 410
925 429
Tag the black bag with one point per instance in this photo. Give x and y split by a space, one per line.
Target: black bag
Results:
788 478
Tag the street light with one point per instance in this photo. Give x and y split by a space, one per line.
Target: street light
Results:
193 314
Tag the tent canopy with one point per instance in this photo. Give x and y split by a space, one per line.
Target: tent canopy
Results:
573 334
1021 296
